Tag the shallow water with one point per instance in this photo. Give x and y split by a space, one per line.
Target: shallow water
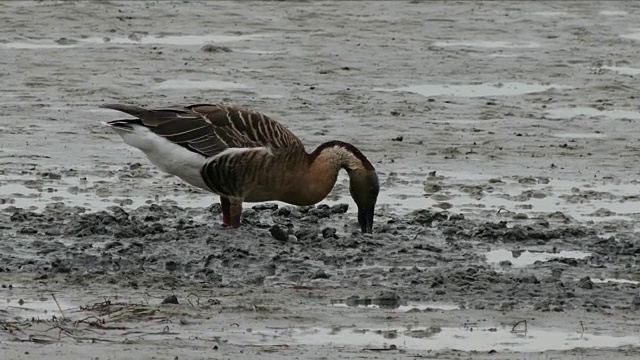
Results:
177 40
481 90
436 338
38 308
402 306
487 44
525 258
181 84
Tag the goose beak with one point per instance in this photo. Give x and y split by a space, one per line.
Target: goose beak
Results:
365 218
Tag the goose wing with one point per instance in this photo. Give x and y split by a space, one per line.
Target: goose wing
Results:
211 129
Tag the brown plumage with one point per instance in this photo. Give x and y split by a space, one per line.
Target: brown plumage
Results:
245 156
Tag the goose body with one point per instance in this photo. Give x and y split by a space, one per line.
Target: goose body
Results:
245 156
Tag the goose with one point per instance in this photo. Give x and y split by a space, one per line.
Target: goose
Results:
243 155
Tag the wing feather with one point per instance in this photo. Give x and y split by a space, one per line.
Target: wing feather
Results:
211 129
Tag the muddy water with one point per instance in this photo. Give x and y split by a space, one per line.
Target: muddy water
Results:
503 134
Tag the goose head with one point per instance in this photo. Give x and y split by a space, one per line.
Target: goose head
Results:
364 188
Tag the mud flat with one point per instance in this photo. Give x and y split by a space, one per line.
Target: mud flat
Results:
504 135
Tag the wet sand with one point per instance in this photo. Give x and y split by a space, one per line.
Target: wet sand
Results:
503 132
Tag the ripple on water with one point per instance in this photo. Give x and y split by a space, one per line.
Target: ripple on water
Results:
632 36
623 70
180 84
475 90
613 13
488 44
570 113
178 40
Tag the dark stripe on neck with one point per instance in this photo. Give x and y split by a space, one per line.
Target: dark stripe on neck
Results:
346 146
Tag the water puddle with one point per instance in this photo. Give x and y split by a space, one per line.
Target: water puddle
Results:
570 113
477 90
519 258
261 52
632 36
504 55
42 308
395 305
179 40
487 44
613 280
432 338
36 45
550 13
180 84
613 13
184 40
580 135
623 70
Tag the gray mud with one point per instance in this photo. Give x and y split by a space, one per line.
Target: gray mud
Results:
503 134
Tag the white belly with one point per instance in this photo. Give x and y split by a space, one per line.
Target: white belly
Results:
168 157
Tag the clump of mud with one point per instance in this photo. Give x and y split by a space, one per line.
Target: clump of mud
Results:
423 255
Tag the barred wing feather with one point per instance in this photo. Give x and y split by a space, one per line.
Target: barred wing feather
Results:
211 129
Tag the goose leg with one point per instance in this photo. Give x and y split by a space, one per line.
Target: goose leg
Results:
225 203
235 212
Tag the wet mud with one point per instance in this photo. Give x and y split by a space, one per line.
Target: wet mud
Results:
506 224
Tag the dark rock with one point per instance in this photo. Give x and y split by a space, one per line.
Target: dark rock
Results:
18 217
266 206
427 247
171 299
321 213
283 212
119 214
320 274
329 232
585 283
53 232
278 233
171 265
306 233
112 244
213 49
28 230
340 208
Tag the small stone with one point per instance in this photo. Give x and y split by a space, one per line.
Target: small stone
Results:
28 230
306 234
111 245
53 232
427 247
520 216
320 274
456 217
278 233
267 206
171 266
18 217
340 208
171 299
585 283
210 48
329 232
